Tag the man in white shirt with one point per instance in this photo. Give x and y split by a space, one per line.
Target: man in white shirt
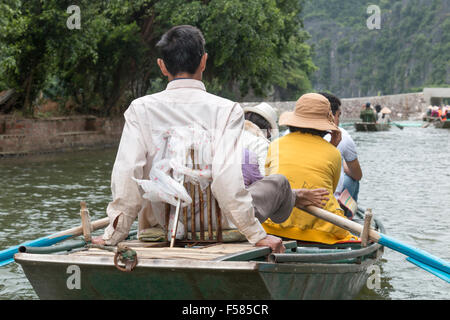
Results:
351 172
184 104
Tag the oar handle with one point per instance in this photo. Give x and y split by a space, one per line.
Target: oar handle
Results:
77 231
342 222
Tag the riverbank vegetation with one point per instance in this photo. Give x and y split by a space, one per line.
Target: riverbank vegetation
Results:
255 47
410 51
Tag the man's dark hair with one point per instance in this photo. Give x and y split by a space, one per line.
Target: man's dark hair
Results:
181 48
334 101
378 108
259 120
314 132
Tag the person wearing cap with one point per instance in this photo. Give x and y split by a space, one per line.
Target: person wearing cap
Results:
367 114
260 127
308 161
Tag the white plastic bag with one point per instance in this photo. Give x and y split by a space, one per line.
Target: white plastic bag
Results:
172 165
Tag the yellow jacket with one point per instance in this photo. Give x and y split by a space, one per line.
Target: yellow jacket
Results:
308 162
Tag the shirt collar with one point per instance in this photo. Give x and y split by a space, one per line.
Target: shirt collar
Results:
186 83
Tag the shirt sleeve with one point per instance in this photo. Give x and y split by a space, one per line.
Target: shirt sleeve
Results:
126 196
261 153
228 183
347 147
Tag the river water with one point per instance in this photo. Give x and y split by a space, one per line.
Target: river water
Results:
406 183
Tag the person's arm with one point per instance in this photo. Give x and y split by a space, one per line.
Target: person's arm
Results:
350 156
336 137
126 196
228 185
353 169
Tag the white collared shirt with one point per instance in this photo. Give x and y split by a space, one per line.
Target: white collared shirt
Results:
185 102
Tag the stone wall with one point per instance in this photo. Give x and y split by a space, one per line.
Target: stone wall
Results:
31 136
408 106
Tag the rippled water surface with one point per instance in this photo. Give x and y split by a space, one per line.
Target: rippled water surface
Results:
406 183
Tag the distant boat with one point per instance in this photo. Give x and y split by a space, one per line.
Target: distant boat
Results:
430 118
371 126
225 271
442 124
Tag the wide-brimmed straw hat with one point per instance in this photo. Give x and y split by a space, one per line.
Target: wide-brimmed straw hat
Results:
312 111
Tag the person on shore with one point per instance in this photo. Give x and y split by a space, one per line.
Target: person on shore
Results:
185 104
367 114
308 161
351 172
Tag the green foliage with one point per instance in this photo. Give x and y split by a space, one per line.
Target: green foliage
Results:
253 45
410 51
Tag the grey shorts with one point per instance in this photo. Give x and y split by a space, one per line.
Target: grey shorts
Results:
272 198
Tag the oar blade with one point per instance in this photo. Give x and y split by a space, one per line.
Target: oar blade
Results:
5 262
425 258
438 273
415 253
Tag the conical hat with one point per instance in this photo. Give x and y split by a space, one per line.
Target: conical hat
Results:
386 110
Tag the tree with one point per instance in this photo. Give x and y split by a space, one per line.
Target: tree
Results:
111 60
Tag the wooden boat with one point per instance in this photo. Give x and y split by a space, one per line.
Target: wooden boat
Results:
430 118
371 126
214 271
442 124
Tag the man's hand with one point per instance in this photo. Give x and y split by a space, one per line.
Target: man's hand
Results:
307 197
98 240
275 244
336 137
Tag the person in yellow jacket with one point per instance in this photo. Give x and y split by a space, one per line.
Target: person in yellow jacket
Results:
308 161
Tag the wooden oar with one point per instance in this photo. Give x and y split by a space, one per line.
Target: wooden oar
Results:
7 255
422 259
429 123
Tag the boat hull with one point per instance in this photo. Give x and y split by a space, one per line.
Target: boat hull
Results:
442 124
371 127
53 277
430 118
